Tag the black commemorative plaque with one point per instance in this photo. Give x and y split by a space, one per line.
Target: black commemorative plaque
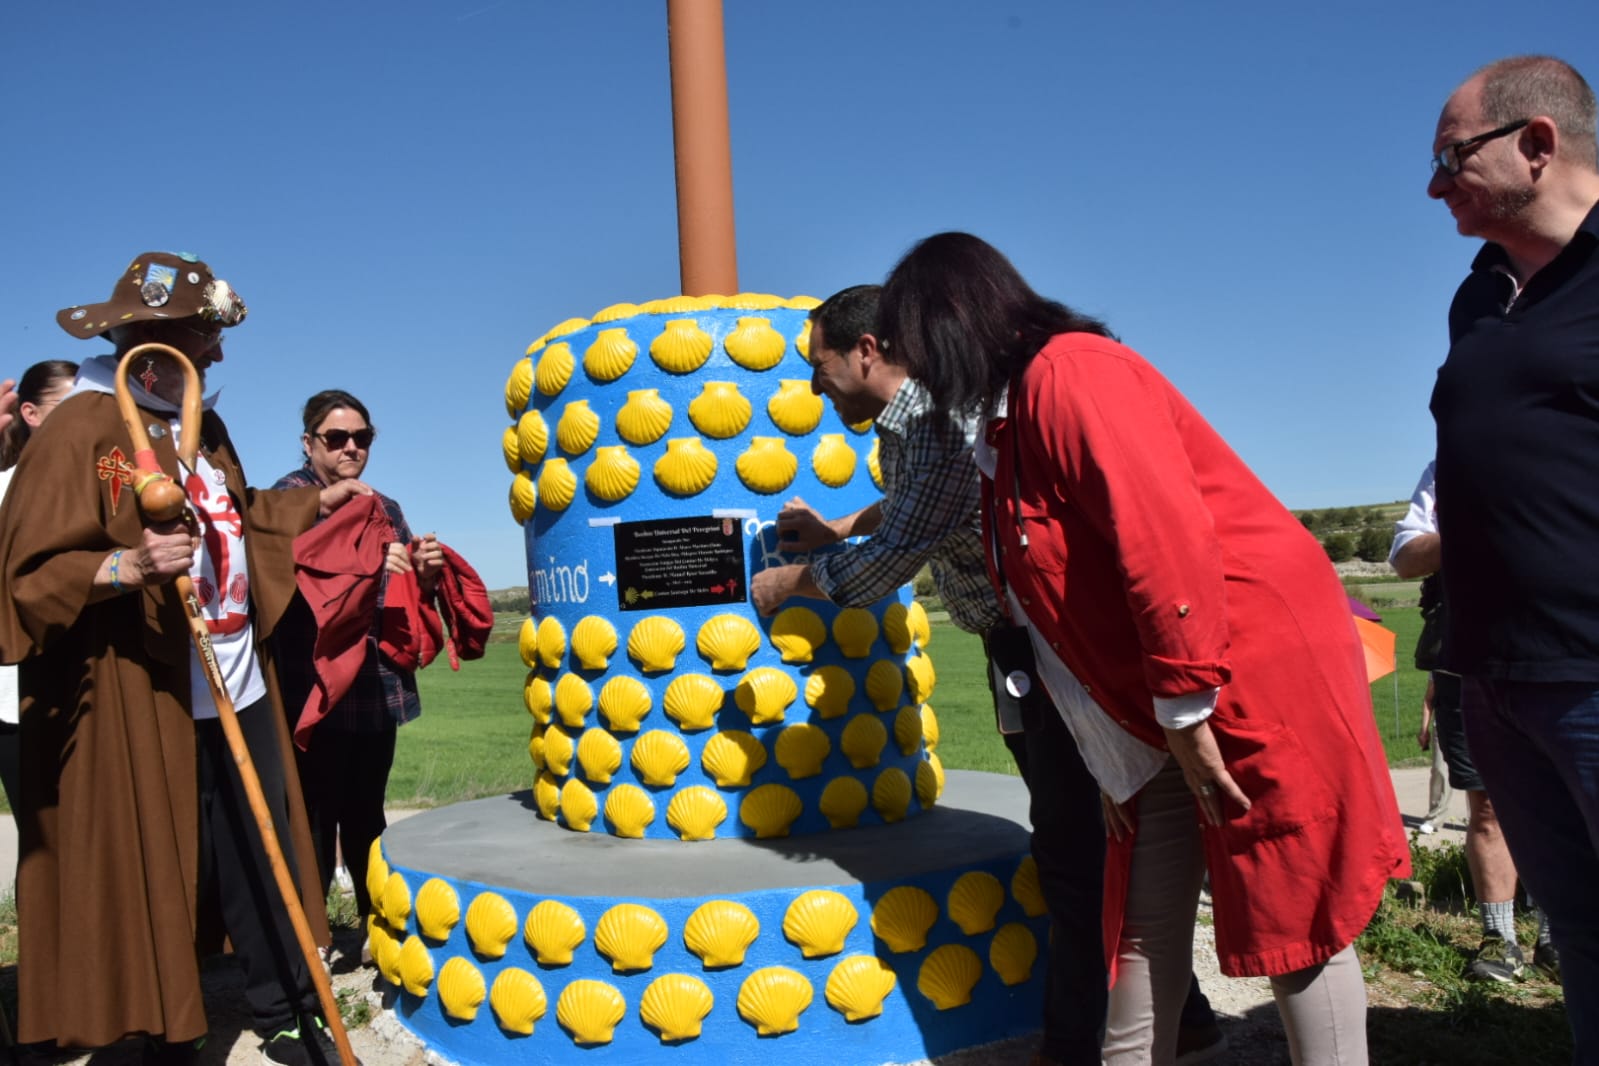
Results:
679 562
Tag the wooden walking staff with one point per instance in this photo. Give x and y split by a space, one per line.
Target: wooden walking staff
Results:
161 500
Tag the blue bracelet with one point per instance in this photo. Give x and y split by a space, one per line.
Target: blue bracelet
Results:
116 560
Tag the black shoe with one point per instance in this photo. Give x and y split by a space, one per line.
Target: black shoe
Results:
158 1052
309 1045
1546 960
1497 959
319 1038
1199 1043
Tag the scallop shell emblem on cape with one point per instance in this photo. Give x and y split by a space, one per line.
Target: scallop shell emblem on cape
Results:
416 966
794 408
517 1000
687 468
578 428
557 485
974 901
675 1005
658 757
593 642
579 806
773 998
863 740
829 689
532 438
720 410
461 989
490 924
630 810
884 686
624 703
554 369
801 749
854 630
720 931
767 466
765 694
655 644
843 802
770 810
754 344
1012 953
858 985
519 386
599 754
819 921
732 757
438 909
682 347
573 700
948 975
796 634
728 641
590 1011
610 356
644 418
891 794
693 701
553 930
613 475
833 461
695 812
903 916
629 935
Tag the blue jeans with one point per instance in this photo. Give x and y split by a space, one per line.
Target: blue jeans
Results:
1536 745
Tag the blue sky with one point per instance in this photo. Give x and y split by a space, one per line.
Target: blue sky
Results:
408 193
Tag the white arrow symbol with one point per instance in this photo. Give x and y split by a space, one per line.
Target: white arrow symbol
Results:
607 578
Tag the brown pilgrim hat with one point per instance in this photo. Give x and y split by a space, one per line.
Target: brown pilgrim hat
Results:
158 285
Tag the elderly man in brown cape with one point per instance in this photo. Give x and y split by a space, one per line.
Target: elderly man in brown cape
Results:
137 846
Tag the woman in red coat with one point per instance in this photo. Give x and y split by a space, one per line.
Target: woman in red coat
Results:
1194 637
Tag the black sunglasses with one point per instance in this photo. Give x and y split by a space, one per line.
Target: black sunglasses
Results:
338 438
1447 158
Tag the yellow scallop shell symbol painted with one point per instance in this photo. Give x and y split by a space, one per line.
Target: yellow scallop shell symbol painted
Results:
517 1000
767 466
532 438
732 757
754 344
658 757
921 628
509 449
728 641
802 341
902 918
384 947
610 356
547 795
564 328
416 966
579 806
929 727
765 694
527 642
550 639
535 747
1025 887
644 418
578 428
862 741
874 464
590 1011
829 689
558 751
554 369
833 461
519 386
858 985
396 901
695 812
524 496
557 485
490 924
801 750
770 810
884 685
615 312
630 811
908 730
948 975
891 794
593 642
720 410
720 931
920 677
687 468
553 930
755 301
796 634
599 754
1012 953
629 935
675 1005
682 348
843 801
573 700
929 780
693 701
461 989
897 628
819 921
794 408
613 474
974 901
377 875
773 998
854 630
624 701
438 909
655 644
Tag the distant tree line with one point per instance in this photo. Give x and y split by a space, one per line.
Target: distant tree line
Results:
1351 532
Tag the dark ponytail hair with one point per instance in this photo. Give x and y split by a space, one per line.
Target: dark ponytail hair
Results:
37 380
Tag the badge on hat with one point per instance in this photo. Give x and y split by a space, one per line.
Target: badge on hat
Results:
222 304
156 289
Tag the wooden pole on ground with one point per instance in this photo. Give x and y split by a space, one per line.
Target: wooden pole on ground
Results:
706 248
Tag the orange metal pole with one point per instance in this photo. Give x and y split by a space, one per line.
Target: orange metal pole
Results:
707 251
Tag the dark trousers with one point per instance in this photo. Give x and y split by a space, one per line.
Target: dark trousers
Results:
277 984
344 777
10 765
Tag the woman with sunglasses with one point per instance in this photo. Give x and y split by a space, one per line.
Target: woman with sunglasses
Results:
344 771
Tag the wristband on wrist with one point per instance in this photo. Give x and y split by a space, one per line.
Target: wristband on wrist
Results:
116 562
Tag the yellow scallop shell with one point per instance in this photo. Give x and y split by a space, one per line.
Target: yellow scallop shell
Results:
819 921
550 638
461 989
974 901
385 948
891 794
557 485
682 348
796 634
767 466
613 474
687 468
794 408
693 701
801 749
527 642
518 1000
802 303
770 810
854 630
874 464
438 909
590 1011
554 369
842 802
624 701
578 428
629 935
903 916
765 694
593 642
728 641
539 697
510 449
535 746
720 931
599 755
862 741
644 418
755 301
1025 887
829 690
676 305
773 998
553 930
377 874
579 807
833 461
732 757
802 341
630 811
858 985
754 344
396 901
921 628
929 727
948 975
658 757
884 685
416 966
524 497
532 438
655 643
908 730
675 1005
490 924
1012 953
558 751
519 386
610 356
547 794
615 312
929 780
897 628
720 410
565 327
920 678
573 700
695 812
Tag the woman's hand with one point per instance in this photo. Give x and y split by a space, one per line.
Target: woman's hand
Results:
397 559
1196 752
340 493
1118 819
428 558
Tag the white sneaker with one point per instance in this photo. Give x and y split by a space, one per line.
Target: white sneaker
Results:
1426 827
341 877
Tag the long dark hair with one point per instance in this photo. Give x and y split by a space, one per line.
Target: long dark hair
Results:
960 319
37 380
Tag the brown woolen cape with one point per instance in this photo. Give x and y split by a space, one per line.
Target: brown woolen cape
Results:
112 922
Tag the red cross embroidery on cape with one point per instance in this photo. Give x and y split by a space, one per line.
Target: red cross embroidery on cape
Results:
115 468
